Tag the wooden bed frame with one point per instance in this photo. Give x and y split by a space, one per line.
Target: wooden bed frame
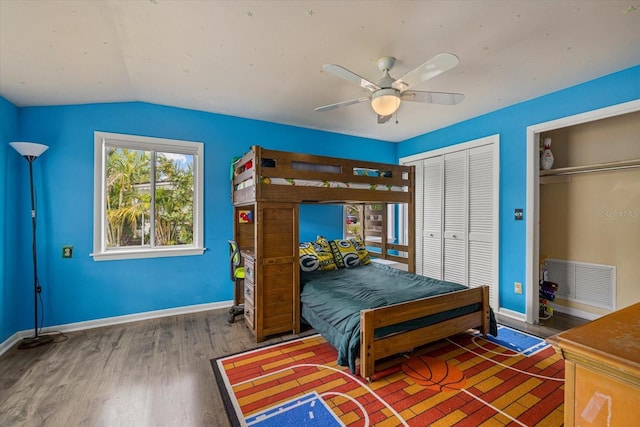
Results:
373 349
301 166
249 188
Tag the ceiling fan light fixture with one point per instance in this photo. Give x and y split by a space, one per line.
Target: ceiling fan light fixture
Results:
385 101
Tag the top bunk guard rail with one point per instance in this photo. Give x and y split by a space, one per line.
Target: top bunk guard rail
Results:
270 175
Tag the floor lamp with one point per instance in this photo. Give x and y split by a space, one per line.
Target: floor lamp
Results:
32 151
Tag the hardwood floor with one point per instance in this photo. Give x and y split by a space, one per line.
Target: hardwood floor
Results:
557 323
148 373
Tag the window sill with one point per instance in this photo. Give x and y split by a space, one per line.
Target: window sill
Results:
145 253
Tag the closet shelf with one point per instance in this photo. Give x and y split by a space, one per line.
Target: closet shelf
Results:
591 168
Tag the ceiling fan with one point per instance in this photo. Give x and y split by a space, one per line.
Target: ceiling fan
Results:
387 94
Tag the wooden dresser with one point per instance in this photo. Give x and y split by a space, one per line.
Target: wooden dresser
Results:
267 234
602 370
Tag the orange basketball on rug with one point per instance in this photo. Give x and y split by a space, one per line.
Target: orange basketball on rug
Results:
434 374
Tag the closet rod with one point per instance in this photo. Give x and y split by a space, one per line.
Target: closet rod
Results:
627 164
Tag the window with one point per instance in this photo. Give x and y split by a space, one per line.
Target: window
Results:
147 197
365 220
352 220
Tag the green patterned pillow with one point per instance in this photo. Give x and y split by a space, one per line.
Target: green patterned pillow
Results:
349 252
314 257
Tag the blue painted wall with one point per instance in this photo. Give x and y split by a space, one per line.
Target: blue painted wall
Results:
80 289
325 220
511 124
10 177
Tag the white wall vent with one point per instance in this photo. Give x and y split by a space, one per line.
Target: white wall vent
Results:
585 283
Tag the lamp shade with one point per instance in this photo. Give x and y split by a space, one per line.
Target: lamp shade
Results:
385 101
29 149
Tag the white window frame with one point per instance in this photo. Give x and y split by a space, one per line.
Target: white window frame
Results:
101 140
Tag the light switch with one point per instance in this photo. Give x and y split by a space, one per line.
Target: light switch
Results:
519 213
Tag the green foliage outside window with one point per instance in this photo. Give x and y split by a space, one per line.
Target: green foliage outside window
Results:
132 220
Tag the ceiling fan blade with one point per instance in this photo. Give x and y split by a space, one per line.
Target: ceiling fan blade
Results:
343 73
342 104
383 119
445 98
433 67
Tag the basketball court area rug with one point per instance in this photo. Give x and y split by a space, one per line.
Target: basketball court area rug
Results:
466 380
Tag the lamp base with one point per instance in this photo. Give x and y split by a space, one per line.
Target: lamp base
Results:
32 342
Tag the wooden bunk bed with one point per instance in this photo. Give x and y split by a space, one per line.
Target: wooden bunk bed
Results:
267 188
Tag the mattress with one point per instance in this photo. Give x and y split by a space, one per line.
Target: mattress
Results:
331 302
318 183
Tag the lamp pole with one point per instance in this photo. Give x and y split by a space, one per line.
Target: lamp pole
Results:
31 151
36 284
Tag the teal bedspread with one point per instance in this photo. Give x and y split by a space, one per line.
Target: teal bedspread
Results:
331 302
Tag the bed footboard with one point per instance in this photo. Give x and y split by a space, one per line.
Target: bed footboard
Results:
372 349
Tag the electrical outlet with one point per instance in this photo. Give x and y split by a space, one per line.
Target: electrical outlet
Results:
67 251
517 287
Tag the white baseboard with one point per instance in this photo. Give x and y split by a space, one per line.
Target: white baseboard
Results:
575 312
12 340
559 308
116 320
515 315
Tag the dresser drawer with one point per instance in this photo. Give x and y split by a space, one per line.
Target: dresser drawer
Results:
249 270
249 293
249 315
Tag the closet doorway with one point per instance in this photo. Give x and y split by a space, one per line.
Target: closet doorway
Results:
561 175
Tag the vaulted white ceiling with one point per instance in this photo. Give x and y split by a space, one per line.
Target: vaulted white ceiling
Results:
263 59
